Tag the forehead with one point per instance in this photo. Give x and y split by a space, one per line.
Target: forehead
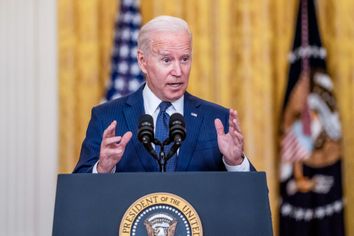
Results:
166 42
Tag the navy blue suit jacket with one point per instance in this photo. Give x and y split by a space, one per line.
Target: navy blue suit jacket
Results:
199 151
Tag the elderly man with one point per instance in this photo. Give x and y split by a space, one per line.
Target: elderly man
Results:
214 141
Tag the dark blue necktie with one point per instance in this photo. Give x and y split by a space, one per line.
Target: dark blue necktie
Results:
161 133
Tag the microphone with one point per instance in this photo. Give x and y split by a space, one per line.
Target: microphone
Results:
146 133
146 129
177 133
177 128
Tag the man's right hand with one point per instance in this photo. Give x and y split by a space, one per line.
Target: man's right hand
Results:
112 148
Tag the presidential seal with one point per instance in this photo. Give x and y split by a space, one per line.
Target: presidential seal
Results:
160 214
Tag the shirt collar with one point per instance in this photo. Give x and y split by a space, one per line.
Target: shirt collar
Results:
151 102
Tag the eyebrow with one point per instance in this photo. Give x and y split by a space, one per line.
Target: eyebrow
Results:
169 54
163 54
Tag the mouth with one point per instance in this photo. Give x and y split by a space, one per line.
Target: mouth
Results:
175 85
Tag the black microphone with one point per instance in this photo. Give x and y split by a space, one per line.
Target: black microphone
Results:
177 133
146 129
146 133
177 128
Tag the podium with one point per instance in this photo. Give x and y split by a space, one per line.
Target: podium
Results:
182 203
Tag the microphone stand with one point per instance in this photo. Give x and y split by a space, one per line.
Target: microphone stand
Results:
162 157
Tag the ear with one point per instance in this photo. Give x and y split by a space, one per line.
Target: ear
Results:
142 60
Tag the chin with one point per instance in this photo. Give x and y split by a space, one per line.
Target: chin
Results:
173 97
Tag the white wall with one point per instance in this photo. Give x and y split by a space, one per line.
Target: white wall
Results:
28 116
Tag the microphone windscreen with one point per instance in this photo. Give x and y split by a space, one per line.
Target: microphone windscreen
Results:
177 118
146 129
177 127
146 120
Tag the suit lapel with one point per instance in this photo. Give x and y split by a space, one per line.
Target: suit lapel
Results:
193 118
132 113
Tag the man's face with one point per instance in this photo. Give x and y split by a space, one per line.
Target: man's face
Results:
167 65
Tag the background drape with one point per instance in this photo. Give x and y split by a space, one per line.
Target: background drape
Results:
239 60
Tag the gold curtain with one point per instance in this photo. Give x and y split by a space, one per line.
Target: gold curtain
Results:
85 31
239 60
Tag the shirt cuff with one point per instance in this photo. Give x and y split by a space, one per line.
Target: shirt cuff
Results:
94 169
243 167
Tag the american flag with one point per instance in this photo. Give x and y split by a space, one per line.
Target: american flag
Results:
291 149
126 76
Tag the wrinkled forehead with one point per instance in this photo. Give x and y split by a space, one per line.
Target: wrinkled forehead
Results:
164 42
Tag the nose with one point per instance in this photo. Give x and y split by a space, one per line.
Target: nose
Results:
177 70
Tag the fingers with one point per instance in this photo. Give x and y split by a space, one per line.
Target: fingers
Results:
234 128
110 131
115 145
119 150
126 138
115 153
219 127
111 140
233 121
118 141
112 148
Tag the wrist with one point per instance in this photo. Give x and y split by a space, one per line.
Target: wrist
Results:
235 161
102 169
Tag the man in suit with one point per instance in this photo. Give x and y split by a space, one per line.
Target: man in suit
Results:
213 142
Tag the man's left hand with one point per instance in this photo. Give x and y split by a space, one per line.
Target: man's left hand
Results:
231 143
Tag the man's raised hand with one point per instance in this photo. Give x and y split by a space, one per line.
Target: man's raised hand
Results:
112 148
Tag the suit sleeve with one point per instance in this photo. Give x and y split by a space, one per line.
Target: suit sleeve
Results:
90 149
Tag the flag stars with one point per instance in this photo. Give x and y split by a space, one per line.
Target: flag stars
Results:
124 51
299 214
329 210
308 215
133 52
137 19
286 209
128 3
127 17
119 83
125 34
131 18
126 76
135 69
320 212
134 84
337 206
123 67
135 35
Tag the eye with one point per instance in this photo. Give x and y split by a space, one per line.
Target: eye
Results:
185 59
166 60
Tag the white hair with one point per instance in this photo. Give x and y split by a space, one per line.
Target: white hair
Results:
160 24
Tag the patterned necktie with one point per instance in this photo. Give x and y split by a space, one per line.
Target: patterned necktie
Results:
161 133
